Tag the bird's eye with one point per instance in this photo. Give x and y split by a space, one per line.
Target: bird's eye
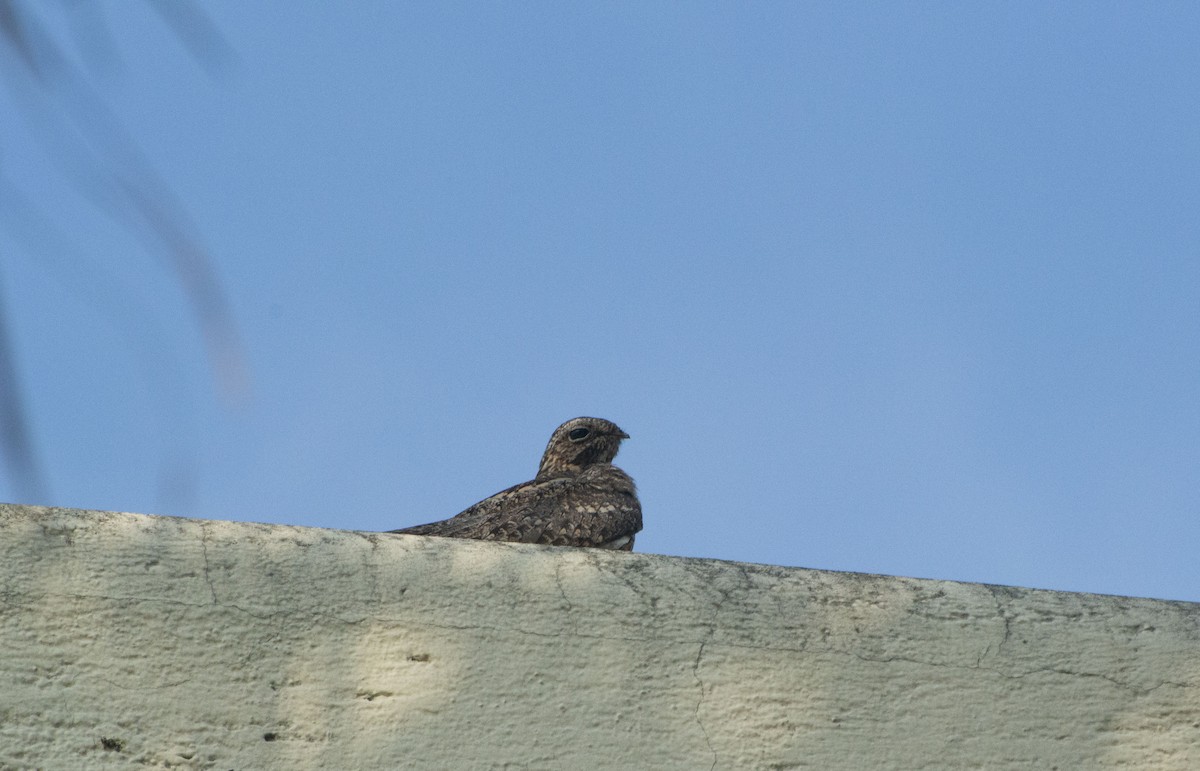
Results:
579 434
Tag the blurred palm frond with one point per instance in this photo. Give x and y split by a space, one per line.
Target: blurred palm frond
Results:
105 165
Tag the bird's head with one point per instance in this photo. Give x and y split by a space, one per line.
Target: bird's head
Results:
579 443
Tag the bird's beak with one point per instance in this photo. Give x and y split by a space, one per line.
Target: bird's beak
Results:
621 434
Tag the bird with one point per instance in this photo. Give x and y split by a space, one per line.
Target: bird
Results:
578 498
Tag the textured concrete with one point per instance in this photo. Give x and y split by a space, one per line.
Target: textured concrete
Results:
134 640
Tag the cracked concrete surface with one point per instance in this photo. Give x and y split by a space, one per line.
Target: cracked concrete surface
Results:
165 642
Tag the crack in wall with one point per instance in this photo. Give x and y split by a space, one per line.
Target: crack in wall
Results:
162 687
1133 689
712 631
207 568
1002 610
700 700
569 607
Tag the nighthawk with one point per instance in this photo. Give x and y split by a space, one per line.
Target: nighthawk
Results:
578 498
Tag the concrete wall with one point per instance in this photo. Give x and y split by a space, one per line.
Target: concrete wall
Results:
135 640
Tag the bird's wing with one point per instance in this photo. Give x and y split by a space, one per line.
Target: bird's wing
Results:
497 517
598 507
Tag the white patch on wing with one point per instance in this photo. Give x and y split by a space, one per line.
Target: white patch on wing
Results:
616 543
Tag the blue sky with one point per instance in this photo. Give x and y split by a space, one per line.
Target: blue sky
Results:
895 288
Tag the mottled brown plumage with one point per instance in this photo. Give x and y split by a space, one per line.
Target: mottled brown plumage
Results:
578 498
